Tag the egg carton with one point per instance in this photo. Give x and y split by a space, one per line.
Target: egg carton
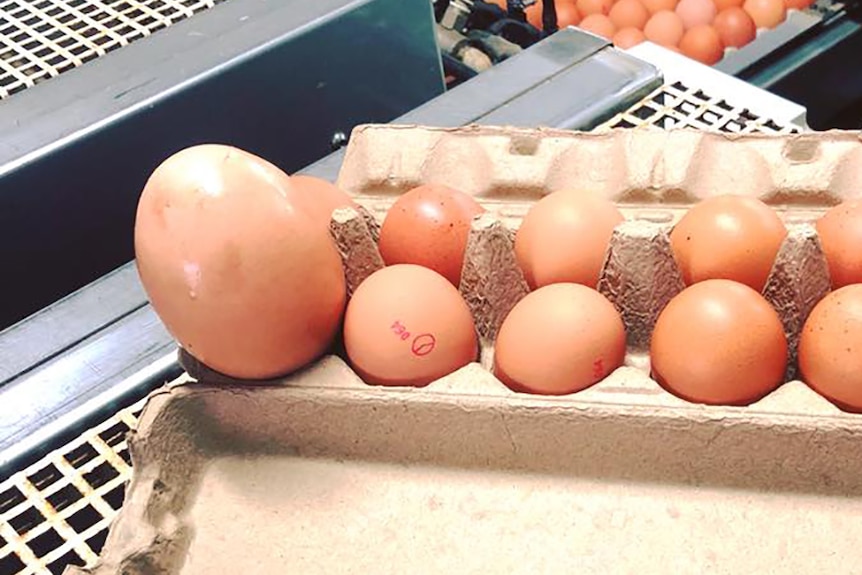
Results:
320 472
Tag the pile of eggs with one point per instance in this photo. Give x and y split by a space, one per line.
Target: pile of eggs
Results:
699 29
239 263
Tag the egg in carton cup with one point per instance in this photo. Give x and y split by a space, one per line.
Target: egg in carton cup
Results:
654 176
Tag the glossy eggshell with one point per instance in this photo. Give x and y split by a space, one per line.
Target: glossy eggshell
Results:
655 6
830 348
735 27
559 339
564 238
408 325
236 268
629 14
840 231
766 13
722 5
628 37
664 28
429 226
702 43
728 237
719 342
598 24
587 7
696 12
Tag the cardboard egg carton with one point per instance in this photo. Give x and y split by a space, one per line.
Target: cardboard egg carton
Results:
653 175
320 472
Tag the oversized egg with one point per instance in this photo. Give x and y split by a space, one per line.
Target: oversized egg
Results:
830 348
322 197
564 238
728 237
238 263
840 231
429 226
559 339
408 325
719 342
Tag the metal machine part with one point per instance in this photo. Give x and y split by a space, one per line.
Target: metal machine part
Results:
276 78
820 67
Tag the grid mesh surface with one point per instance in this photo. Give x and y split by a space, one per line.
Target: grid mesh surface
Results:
57 512
40 39
679 105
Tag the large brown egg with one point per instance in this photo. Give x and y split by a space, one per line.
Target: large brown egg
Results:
728 237
830 348
322 197
408 325
429 226
840 231
735 27
664 28
766 13
702 43
719 342
564 237
236 264
559 339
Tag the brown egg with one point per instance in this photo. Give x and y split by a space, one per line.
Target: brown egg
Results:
735 27
587 7
559 339
324 197
567 14
236 266
696 12
840 231
408 325
766 13
702 43
830 348
728 237
598 24
719 342
656 6
629 14
664 28
722 5
628 37
564 237
429 226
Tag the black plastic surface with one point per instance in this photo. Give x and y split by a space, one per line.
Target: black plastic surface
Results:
275 78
